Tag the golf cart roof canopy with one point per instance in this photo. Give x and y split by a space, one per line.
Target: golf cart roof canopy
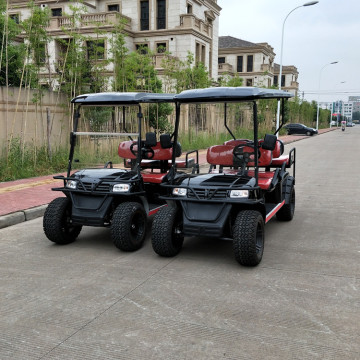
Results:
229 94
122 98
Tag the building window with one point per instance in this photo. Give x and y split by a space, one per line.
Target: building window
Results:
161 14
56 12
250 63
282 80
276 80
160 47
203 54
15 18
142 48
114 7
189 9
40 54
249 82
239 65
221 60
200 53
95 49
144 15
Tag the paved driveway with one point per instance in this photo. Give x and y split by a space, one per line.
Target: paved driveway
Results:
88 300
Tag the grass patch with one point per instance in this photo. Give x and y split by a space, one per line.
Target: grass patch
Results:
28 161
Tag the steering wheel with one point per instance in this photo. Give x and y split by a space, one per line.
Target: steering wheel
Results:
240 154
146 152
134 152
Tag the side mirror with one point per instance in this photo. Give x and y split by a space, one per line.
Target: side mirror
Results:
269 142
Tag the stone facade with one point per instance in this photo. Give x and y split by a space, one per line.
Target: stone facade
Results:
185 25
252 62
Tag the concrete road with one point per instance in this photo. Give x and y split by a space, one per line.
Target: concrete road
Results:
88 300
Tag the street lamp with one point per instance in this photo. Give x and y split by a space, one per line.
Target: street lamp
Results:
281 56
318 105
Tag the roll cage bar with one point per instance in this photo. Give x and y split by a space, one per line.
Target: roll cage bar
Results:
114 99
229 95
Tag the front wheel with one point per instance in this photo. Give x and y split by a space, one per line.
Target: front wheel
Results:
128 226
166 235
249 237
57 222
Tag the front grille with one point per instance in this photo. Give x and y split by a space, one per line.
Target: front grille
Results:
84 186
202 193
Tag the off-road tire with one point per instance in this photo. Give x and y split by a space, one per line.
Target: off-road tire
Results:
248 237
166 234
57 223
128 226
286 213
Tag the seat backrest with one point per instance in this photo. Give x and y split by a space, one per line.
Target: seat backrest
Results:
279 149
265 157
220 155
124 149
160 153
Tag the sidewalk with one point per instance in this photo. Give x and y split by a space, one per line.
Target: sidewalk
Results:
26 199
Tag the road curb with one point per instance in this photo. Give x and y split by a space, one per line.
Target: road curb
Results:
21 216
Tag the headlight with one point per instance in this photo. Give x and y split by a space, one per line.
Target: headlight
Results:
121 188
71 184
238 194
179 192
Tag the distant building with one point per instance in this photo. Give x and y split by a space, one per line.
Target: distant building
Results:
252 62
289 78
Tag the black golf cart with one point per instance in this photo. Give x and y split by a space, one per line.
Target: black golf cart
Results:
120 197
246 184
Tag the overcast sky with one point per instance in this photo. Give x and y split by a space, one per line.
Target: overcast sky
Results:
314 36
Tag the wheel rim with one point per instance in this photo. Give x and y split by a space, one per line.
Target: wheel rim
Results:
259 239
177 237
67 226
137 226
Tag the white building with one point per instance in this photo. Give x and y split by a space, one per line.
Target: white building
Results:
252 62
177 26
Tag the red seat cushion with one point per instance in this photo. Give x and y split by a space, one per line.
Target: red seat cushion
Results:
154 178
124 149
264 178
220 155
280 160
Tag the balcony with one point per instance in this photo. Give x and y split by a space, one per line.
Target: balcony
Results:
225 68
104 19
192 22
267 67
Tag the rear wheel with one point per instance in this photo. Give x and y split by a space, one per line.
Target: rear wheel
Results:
249 236
57 222
166 235
128 226
286 213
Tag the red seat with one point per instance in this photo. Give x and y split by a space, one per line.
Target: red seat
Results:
264 178
265 155
280 160
154 178
220 155
124 149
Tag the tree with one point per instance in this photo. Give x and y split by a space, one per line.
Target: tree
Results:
12 55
